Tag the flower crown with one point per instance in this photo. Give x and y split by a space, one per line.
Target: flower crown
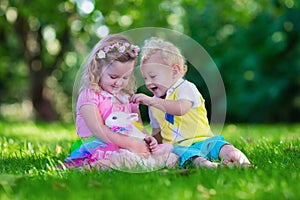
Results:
120 47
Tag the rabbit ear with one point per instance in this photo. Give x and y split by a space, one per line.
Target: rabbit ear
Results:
133 117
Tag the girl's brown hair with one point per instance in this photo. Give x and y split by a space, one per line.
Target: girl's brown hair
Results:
93 67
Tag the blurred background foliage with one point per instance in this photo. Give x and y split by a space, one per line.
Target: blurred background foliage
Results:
255 45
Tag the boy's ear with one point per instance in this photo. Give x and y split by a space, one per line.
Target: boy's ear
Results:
176 69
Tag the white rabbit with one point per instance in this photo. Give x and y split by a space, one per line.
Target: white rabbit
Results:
122 122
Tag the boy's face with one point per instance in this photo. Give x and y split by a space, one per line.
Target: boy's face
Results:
158 76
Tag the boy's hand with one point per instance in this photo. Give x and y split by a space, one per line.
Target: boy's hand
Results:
142 99
152 143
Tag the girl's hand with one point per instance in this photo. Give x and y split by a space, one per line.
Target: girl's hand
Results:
139 147
141 99
152 143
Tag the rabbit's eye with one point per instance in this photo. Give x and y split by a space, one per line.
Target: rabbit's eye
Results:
114 117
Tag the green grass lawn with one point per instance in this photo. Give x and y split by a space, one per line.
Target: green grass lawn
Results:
30 153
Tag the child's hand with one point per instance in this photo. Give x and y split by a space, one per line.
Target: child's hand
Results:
152 143
139 147
142 99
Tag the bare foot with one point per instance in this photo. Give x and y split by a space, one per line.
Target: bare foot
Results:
231 155
203 162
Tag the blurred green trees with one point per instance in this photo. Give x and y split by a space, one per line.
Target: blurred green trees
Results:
255 45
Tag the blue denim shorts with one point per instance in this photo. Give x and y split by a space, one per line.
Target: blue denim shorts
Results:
208 149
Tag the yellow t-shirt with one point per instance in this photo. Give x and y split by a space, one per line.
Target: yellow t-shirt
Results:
186 129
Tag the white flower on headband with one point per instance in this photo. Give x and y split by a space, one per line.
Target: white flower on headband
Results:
120 47
101 54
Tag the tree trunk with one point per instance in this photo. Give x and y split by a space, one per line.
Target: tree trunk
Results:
38 73
42 105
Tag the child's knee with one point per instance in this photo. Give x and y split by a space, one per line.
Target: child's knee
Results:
165 147
172 160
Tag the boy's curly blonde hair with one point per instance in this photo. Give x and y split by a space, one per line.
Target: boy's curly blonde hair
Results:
170 54
93 67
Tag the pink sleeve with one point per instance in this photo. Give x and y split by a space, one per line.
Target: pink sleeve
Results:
87 97
134 106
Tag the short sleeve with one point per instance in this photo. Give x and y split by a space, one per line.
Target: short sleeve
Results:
153 122
189 91
134 106
87 97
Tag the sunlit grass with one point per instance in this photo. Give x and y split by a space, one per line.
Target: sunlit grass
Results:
38 131
31 151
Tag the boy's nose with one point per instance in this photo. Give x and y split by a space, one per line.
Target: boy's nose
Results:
148 82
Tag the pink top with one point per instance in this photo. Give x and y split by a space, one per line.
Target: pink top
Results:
104 102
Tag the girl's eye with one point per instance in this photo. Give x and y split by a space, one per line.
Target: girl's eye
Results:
125 77
113 77
153 76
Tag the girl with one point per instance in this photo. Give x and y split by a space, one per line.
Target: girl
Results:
108 83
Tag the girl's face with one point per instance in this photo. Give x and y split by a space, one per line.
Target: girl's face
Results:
158 76
116 76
